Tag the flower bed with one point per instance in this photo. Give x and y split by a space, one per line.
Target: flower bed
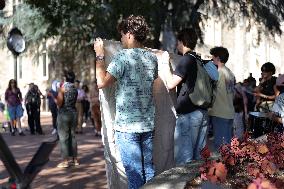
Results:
244 164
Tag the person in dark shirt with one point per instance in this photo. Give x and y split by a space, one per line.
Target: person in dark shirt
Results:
192 121
32 102
66 120
265 92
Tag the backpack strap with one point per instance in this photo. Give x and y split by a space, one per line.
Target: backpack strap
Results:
197 59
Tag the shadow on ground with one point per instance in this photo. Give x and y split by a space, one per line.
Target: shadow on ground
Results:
89 174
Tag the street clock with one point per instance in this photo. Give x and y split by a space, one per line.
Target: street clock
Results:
16 42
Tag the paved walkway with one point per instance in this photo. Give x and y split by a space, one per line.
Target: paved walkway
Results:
89 175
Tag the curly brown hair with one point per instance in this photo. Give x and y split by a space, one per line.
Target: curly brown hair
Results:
136 25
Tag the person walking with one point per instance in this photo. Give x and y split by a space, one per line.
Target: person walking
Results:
67 120
134 70
13 98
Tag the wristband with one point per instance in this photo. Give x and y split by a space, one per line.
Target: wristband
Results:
100 58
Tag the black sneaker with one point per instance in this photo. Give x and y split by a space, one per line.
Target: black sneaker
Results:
22 134
13 133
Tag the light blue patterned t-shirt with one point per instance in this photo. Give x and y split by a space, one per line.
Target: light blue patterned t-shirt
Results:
135 71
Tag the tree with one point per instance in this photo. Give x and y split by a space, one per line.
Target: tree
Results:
77 22
29 21
85 17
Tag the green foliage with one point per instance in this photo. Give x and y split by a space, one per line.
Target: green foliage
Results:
84 19
77 22
29 21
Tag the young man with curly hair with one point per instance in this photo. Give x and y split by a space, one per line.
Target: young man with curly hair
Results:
134 70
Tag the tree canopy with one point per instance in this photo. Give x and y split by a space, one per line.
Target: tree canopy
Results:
76 22
84 19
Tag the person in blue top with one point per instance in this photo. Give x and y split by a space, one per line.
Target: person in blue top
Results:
134 70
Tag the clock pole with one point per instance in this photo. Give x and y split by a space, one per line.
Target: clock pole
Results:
16 44
15 66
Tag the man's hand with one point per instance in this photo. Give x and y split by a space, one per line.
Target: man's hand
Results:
99 47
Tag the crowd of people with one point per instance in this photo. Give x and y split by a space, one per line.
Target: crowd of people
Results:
70 105
14 106
134 70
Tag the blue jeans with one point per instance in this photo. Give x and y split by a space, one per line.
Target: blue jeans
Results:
136 151
190 136
15 111
222 131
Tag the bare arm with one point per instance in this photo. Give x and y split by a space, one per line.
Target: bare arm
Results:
60 97
104 79
171 80
267 97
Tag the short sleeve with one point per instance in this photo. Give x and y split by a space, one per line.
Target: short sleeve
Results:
184 66
116 66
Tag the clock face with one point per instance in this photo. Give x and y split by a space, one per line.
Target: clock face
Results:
18 43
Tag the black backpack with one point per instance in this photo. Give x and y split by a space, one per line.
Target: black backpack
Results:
33 98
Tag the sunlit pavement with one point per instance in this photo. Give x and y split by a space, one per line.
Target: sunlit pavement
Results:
89 174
